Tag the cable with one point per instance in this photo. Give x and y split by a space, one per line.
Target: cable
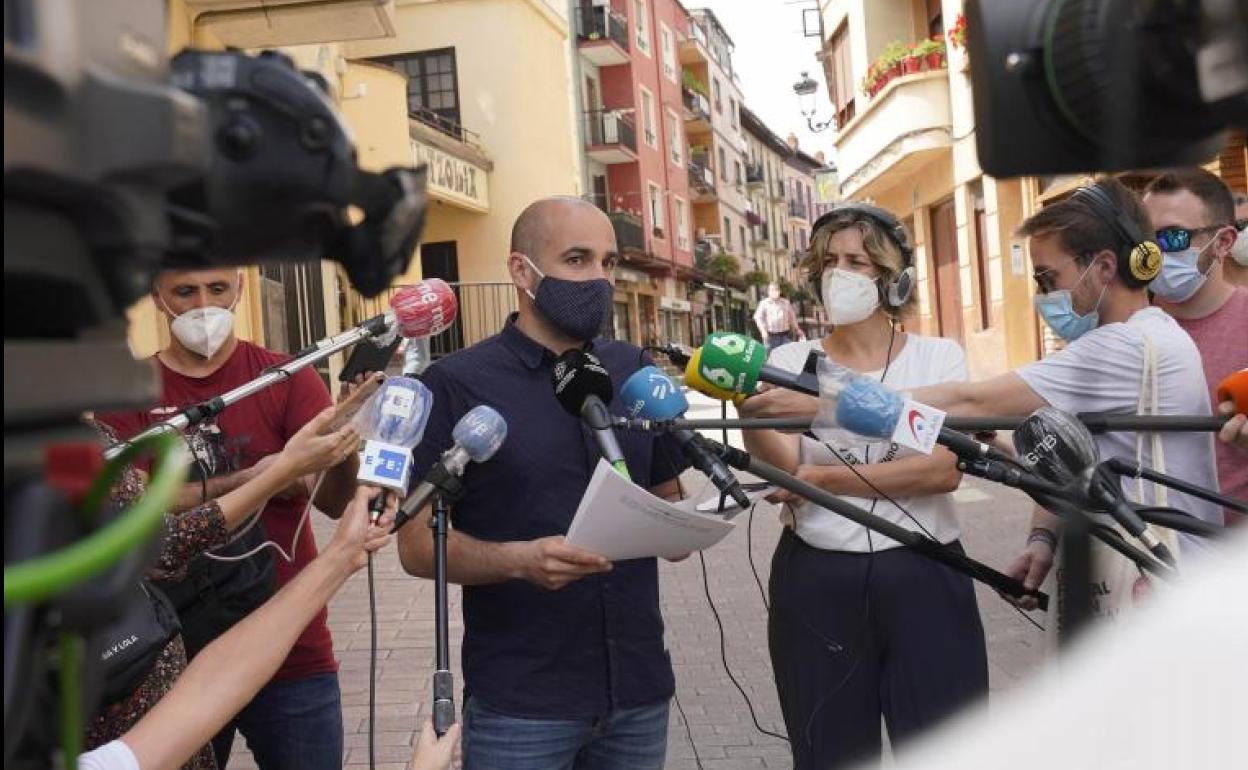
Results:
749 554
372 667
294 542
723 652
696 757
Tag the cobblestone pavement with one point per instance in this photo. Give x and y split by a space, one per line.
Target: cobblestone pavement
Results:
993 521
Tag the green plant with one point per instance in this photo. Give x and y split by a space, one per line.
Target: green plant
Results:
723 266
957 35
756 278
787 289
690 81
931 45
893 54
801 296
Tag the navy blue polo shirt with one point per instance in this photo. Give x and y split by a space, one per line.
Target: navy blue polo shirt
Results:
596 644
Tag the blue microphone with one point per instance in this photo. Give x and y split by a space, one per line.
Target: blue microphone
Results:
652 395
392 423
477 436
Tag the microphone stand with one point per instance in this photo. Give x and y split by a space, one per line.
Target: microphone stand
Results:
1123 467
930 548
197 413
443 679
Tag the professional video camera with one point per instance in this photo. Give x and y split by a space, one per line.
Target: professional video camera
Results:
119 163
1063 86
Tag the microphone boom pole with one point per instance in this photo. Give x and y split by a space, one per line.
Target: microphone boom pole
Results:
197 413
1094 421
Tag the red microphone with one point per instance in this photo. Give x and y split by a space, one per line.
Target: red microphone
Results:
424 309
1234 388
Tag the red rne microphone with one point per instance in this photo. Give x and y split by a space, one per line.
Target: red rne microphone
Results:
424 309
1234 388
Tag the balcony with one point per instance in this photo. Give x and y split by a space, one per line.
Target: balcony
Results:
797 210
701 183
693 47
754 177
760 235
602 36
273 23
697 111
902 129
459 169
609 137
629 235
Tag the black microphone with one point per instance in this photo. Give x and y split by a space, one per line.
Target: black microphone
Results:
583 388
1058 447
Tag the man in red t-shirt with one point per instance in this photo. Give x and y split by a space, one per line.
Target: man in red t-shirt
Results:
1194 216
296 720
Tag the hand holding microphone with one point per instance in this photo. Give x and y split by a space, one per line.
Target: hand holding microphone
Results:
392 422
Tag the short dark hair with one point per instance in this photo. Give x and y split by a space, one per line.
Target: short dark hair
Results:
1212 191
1082 230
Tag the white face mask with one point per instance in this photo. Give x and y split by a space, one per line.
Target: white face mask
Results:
849 297
202 330
1239 252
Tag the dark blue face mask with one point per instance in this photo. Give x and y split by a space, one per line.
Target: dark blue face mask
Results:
576 308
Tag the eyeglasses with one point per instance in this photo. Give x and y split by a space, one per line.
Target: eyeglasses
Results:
1046 279
1173 239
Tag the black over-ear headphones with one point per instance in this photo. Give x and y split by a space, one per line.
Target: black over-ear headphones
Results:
1139 257
898 290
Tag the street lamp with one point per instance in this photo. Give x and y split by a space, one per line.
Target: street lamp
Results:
805 90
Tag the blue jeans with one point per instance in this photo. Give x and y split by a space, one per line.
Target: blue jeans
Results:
290 725
627 739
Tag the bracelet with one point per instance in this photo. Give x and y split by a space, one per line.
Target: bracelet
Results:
1042 535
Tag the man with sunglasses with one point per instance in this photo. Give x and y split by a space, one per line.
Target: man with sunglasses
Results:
1193 214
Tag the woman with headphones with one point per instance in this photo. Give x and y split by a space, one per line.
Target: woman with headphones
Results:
861 627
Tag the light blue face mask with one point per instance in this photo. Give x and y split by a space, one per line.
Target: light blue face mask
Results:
1180 278
1057 308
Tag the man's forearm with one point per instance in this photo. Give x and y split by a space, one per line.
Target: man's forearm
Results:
907 477
338 487
1005 394
469 561
227 673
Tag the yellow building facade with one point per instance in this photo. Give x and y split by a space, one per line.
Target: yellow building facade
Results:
477 90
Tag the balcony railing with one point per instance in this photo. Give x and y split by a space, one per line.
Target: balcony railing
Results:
760 234
698 106
797 209
628 231
446 125
701 179
605 127
601 23
754 175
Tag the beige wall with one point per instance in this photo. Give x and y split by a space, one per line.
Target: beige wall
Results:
513 72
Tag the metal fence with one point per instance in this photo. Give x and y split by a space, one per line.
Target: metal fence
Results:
483 307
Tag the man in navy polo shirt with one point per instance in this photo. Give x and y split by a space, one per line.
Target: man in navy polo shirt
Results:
563 655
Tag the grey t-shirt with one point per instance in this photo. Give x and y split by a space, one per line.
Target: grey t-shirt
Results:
1102 371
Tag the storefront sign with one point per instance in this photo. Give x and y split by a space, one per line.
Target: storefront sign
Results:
453 180
672 303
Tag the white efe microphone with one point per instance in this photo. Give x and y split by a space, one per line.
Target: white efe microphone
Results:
477 436
392 423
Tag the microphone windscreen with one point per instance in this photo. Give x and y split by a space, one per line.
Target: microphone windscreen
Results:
695 380
424 309
651 394
1056 445
732 361
480 432
397 413
1234 388
576 376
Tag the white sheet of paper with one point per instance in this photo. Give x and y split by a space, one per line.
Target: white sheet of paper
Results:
620 520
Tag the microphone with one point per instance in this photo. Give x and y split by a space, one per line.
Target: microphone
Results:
424 309
651 394
583 388
695 380
1060 449
392 423
477 436
1234 388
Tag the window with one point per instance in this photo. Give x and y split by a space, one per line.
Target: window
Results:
732 111
642 23
840 74
432 87
647 117
719 104
674 139
935 19
740 177
727 234
667 49
741 235
682 224
656 208
723 165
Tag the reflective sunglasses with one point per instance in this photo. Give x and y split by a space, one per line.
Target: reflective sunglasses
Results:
1173 239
